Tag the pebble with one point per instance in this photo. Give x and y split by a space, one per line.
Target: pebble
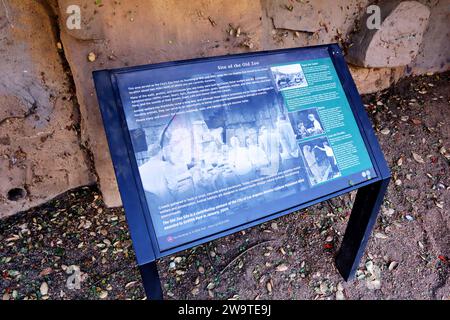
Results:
269 287
380 235
44 288
91 57
393 265
404 118
177 259
340 292
281 268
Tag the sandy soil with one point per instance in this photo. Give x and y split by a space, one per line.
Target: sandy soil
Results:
289 258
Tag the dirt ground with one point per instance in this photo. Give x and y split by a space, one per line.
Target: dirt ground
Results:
289 258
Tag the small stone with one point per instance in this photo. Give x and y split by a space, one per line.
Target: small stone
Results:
210 286
281 268
418 158
103 294
340 295
91 57
393 265
195 291
385 131
421 246
388 212
373 284
44 288
380 235
201 270
177 259
269 287
45 272
324 288
130 284
274 226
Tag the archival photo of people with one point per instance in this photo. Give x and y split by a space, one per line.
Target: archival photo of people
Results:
288 77
201 152
306 123
320 161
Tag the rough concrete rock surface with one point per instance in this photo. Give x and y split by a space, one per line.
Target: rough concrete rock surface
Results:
40 153
140 32
398 40
434 53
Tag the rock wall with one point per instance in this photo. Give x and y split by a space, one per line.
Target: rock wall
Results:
39 117
139 32
40 152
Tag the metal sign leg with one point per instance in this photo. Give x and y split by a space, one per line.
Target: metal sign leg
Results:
150 279
362 220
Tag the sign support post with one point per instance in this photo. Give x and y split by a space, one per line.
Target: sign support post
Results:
150 280
362 220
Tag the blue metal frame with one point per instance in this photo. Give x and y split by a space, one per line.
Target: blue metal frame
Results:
132 194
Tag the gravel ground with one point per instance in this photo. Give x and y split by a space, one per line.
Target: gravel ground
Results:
45 250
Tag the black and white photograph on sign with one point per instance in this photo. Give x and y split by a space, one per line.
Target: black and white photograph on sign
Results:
306 123
218 154
320 161
288 77
196 155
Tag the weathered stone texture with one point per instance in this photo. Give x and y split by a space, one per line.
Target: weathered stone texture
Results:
398 40
434 53
39 148
370 80
122 33
40 155
139 32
